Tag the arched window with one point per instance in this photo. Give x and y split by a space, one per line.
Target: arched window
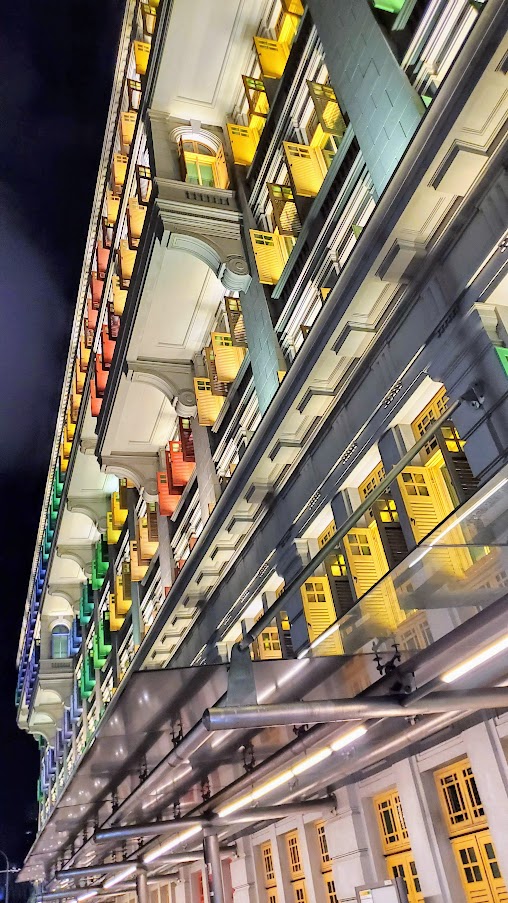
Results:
202 164
60 641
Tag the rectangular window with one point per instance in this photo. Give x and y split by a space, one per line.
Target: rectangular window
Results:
392 826
460 800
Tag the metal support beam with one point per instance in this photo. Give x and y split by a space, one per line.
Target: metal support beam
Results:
112 867
152 828
107 868
72 893
210 821
330 710
213 867
142 886
268 813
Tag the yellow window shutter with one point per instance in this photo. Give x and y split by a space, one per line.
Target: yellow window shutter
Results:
112 203
320 613
127 259
209 405
307 167
427 502
127 126
135 218
141 54
119 297
228 357
244 141
220 170
119 171
272 56
327 109
271 252
115 620
367 564
423 500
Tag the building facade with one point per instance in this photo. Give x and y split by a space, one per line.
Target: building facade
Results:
264 643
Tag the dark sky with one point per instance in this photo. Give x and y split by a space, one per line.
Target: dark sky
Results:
56 67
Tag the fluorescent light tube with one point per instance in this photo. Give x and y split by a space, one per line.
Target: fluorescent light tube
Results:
348 738
120 876
475 661
171 844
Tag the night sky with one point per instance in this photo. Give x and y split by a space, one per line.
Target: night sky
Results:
56 67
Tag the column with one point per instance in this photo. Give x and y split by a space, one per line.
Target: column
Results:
213 866
383 107
208 481
468 364
142 886
307 863
490 770
347 845
422 835
166 559
182 889
264 350
392 446
291 559
242 875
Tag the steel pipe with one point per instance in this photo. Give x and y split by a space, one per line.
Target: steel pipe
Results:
111 867
107 868
165 827
327 710
142 891
267 813
73 892
145 829
352 521
213 868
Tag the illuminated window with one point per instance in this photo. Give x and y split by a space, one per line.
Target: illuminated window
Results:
270 881
391 821
427 417
60 641
203 165
460 799
326 865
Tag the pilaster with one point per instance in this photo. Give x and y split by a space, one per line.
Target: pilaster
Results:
469 366
265 353
490 769
291 558
384 108
429 866
347 845
208 481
